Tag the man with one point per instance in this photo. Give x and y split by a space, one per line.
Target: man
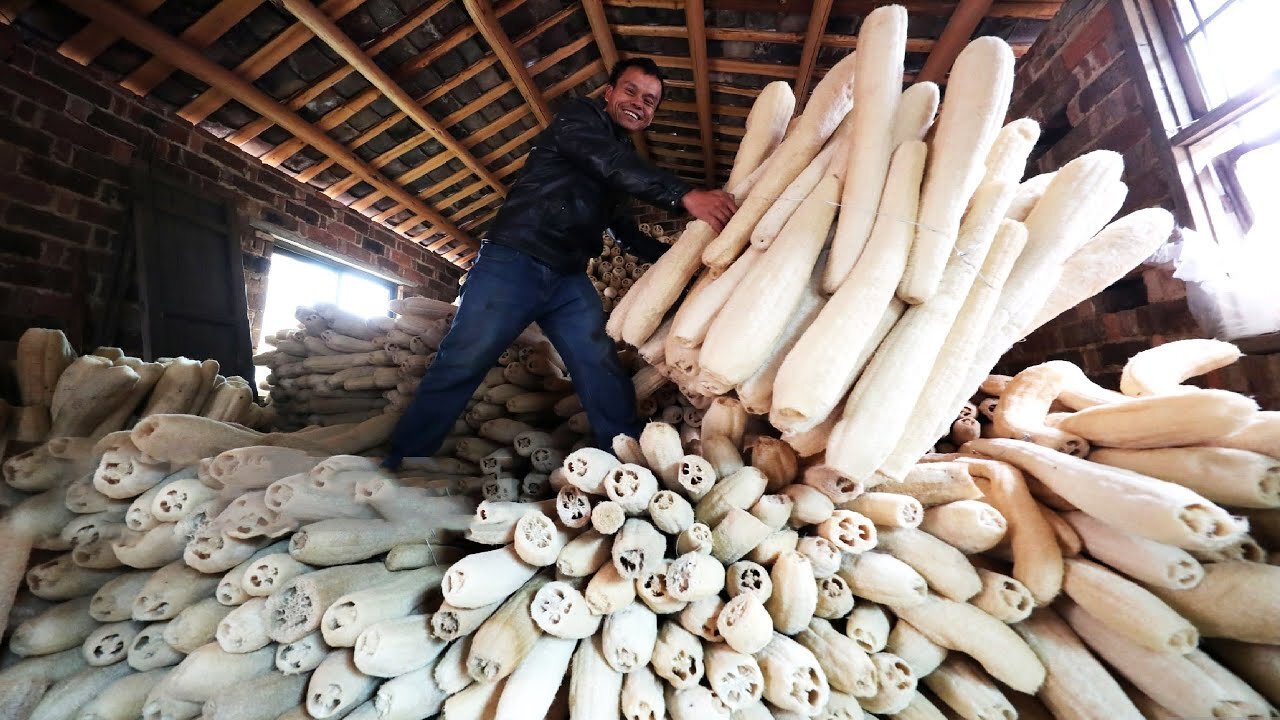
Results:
532 265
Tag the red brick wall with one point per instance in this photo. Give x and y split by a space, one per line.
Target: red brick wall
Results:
68 137
1084 82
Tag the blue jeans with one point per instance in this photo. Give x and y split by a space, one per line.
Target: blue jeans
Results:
505 291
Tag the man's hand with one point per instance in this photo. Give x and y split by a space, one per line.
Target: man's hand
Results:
713 207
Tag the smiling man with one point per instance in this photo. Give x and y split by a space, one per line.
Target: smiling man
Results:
532 265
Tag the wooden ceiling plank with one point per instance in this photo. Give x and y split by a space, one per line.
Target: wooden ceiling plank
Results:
333 36
695 20
178 54
199 35
434 94
809 53
955 36
831 40
677 123
443 185
486 20
461 195
472 223
513 116
361 100
94 39
545 63
455 38
692 108
263 59
512 144
577 78
513 167
726 65
722 88
479 203
317 87
547 23
437 160
389 213
1029 9
489 96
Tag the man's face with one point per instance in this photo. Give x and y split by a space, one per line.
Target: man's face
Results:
632 100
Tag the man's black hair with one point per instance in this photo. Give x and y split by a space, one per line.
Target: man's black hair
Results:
646 66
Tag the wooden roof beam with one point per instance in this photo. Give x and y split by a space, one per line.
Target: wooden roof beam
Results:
726 110
676 123
695 20
363 99
176 53
93 39
835 40
263 59
315 88
1029 9
332 35
603 35
809 53
466 111
394 118
717 88
440 91
955 36
199 35
482 14
725 65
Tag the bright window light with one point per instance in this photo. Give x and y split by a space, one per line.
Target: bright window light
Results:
293 280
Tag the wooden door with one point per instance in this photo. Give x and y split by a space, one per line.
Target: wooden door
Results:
190 275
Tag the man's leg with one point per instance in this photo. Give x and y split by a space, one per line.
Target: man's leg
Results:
500 298
574 322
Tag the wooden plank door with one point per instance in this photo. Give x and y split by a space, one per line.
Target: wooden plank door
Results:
190 274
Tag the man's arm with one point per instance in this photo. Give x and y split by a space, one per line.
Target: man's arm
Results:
588 142
623 227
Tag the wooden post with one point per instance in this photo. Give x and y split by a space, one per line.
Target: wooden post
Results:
809 53
695 19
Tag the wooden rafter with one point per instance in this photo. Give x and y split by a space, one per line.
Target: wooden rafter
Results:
470 141
181 56
316 87
482 14
93 39
435 94
664 120
832 40
263 59
726 110
603 34
722 88
809 53
724 65
363 99
1029 9
199 35
329 32
955 36
11 9
695 20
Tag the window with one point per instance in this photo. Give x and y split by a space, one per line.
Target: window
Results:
1225 137
295 279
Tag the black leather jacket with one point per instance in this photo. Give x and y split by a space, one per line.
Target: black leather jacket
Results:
573 187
